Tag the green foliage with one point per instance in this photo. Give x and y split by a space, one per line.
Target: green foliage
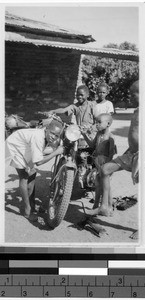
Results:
123 46
118 74
111 45
128 46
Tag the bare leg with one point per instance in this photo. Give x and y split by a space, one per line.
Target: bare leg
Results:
107 170
31 190
110 201
104 209
23 185
97 192
105 188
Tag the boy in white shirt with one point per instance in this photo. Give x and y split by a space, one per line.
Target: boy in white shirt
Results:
103 106
27 149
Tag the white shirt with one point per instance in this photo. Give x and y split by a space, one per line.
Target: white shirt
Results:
103 108
26 147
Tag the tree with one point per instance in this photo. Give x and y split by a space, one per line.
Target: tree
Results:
118 74
111 45
123 46
128 46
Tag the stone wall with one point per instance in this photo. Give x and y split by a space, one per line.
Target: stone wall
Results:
38 78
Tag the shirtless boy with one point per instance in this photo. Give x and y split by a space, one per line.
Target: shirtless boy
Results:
128 161
104 149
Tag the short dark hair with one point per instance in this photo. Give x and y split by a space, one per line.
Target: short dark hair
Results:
107 116
83 87
55 123
103 84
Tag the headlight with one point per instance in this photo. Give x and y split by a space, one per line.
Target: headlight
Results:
72 133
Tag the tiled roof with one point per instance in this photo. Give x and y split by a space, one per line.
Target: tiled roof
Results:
22 24
81 48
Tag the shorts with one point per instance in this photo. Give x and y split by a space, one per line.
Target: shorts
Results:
125 161
18 161
17 165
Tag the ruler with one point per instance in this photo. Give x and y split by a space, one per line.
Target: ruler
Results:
72 286
72 275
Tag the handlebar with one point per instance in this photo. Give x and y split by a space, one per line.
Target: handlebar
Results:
49 115
55 117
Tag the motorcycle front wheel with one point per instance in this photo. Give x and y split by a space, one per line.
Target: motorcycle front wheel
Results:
59 200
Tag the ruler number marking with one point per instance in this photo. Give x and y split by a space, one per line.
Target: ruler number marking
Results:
63 280
24 293
112 294
2 293
120 281
47 294
90 294
68 293
134 295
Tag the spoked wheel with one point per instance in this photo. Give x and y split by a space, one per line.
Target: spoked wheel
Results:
60 196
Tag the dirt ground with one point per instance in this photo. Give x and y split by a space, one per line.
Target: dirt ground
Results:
118 228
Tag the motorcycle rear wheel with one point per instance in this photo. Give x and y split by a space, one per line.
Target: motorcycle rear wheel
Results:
59 203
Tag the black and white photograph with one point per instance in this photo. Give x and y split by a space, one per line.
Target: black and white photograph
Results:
71 113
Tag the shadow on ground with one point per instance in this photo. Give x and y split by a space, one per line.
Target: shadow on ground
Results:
13 200
123 115
74 215
14 204
123 132
12 178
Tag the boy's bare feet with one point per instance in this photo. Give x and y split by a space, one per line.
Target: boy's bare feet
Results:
31 217
102 211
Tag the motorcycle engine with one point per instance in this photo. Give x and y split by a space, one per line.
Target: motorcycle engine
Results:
85 167
91 178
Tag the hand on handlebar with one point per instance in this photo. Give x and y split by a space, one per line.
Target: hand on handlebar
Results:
83 130
46 113
59 150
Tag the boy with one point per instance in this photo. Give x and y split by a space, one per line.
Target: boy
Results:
83 110
103 105
27 148
104 147
128 161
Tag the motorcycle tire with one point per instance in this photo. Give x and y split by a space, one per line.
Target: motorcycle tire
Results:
58 205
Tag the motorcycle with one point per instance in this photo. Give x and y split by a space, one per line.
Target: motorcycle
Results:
74 163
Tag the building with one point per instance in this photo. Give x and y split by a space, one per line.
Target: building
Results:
42 65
